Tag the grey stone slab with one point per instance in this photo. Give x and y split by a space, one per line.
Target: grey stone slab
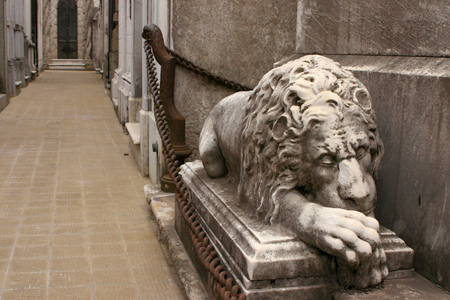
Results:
385 27
4 100
411 98
414 288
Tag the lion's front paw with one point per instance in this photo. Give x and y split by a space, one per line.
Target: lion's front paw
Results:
348 235
369 273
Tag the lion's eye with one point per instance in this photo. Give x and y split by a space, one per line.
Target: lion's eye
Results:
327 160
361 152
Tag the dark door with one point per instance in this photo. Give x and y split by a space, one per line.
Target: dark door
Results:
34 27
67 29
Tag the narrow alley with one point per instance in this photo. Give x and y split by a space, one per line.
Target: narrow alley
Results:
74 223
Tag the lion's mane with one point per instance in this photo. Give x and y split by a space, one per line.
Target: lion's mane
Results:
272 166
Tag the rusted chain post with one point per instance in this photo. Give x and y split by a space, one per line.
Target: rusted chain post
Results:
176 121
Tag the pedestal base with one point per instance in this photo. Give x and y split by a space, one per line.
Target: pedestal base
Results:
269 262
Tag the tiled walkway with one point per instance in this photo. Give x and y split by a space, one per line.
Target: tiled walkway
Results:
74 223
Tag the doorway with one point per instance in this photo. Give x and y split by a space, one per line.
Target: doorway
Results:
67 29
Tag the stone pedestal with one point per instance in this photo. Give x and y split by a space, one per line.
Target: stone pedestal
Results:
269 262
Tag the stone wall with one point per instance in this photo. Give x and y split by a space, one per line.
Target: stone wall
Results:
238 40
403 58
4 97
15 44
85 10
384 27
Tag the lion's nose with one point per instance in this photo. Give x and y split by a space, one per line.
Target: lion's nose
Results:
352 185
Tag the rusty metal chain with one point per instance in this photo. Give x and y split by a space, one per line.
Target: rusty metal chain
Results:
185 63
226 285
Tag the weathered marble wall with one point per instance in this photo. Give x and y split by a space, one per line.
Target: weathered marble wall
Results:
85 10
238 40
413 114
384 27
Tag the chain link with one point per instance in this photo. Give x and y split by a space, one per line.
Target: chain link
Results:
226 286
202 72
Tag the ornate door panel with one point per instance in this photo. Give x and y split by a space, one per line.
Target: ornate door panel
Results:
67 29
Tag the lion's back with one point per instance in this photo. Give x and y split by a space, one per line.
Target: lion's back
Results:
226 122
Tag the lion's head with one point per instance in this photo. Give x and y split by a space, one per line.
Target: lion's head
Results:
310 126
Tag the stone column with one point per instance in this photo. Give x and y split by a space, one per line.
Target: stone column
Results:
40 39
28 44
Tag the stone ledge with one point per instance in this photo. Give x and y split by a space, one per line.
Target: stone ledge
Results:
415 288
4 101
163 207
115 102
134 130
402 65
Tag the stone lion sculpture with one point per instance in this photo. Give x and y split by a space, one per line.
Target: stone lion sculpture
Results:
303 150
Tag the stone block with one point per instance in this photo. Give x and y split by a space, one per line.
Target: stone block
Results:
269 262
134 106
134 131
4 101
154 146
385 27
410 96
144 145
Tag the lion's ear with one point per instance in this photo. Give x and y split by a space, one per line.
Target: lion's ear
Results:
280 127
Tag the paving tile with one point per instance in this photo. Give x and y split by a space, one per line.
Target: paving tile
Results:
160 289
31 252
109 262
97 228
69 278
20 281
69 228
29 265
33 240
105 237
70 264
116 292
4 263
112 276
35 220
69 250
6 241
69 240
25 294
107 249
8 230
70 293
40 229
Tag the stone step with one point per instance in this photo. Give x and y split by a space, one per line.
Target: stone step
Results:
67 64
